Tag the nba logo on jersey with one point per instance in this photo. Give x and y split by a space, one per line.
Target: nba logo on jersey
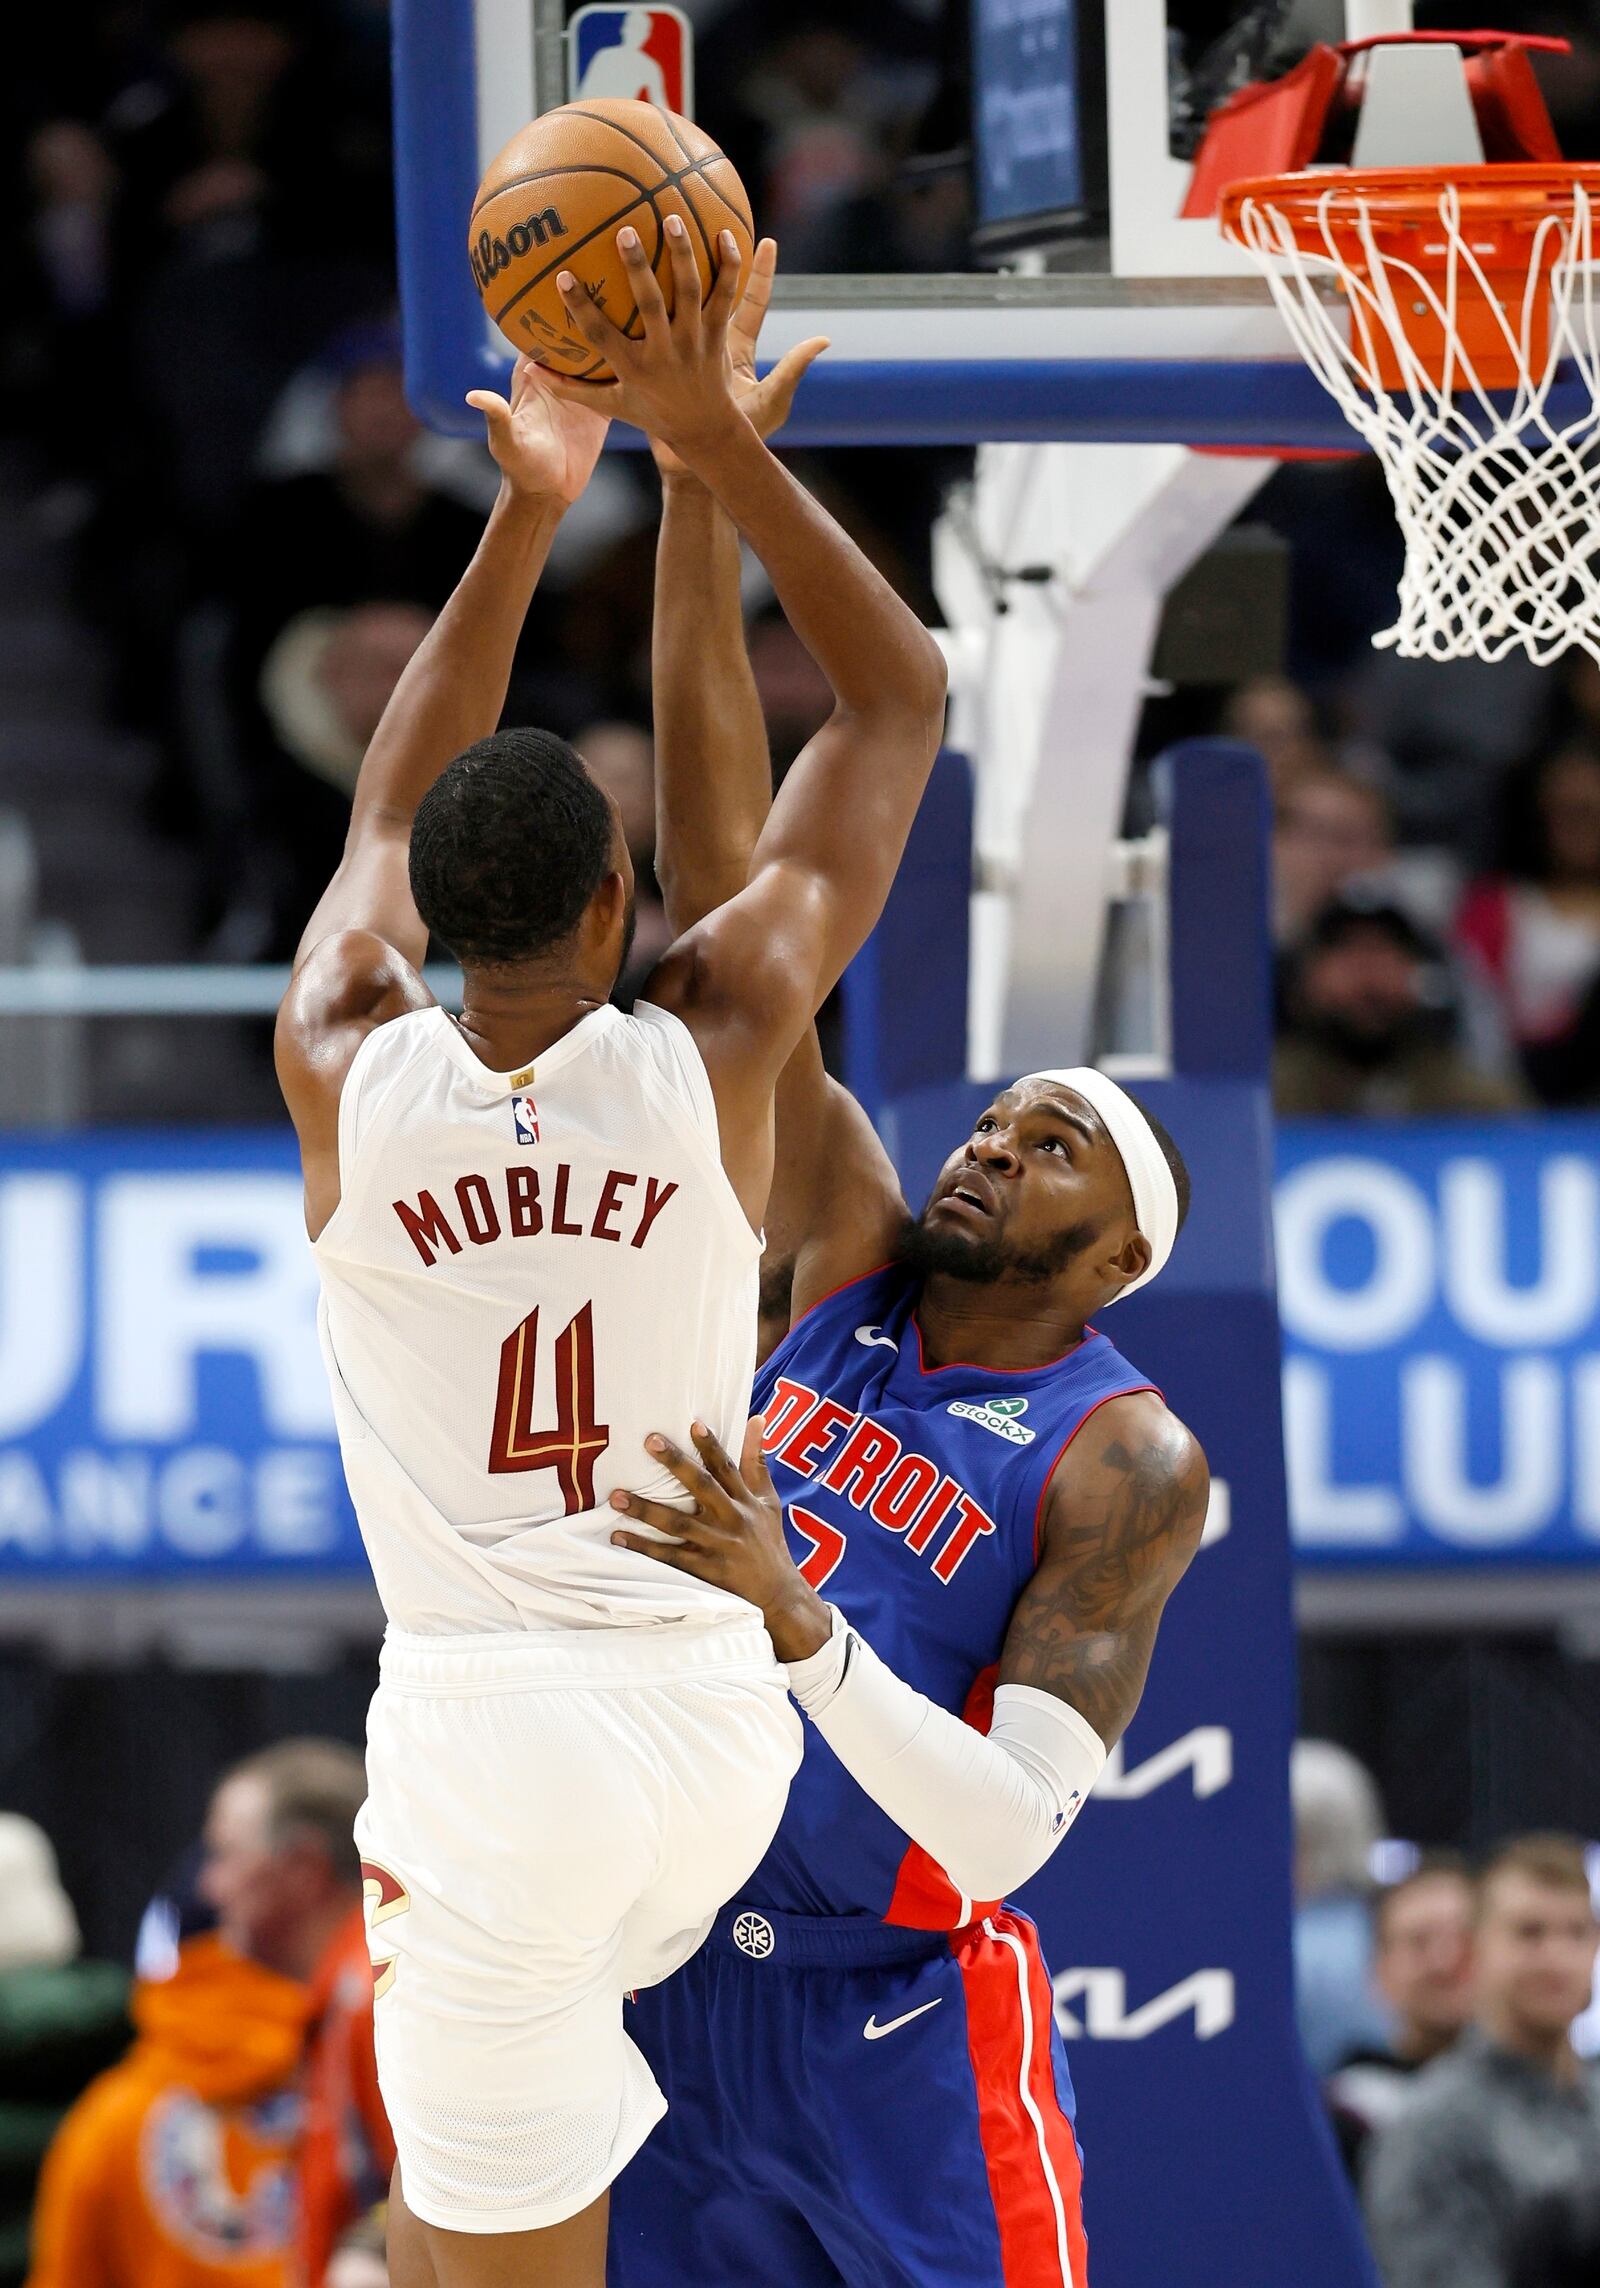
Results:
645 54
525 1119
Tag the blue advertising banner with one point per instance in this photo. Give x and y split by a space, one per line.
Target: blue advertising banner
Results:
163 1410
1439 1288
1028 124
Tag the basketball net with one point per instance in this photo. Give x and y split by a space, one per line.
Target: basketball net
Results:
1449 373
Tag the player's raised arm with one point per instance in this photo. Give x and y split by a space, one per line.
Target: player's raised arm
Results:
713 766
453 690
839 825
358 960
836 1201
749 978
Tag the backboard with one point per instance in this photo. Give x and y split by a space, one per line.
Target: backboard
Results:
1116 320
1168 63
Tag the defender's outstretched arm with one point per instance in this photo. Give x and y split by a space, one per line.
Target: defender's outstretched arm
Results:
713 766
749 978
835 1203
828 852
1122 1521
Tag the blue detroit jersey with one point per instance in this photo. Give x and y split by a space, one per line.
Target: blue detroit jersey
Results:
912 1499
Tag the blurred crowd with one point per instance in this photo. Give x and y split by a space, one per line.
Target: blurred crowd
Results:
1436 888
198 341
1448 2015
199 337
214 2121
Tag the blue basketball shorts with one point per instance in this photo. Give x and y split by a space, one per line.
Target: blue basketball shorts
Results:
854 2106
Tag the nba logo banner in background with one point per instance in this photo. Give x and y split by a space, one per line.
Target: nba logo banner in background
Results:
638 54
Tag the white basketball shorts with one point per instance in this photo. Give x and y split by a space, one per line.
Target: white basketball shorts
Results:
552 1821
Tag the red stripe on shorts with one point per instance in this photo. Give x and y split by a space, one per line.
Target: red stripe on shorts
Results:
1061 2137
1035 2178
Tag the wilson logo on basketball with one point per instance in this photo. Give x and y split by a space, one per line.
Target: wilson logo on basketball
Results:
492 255
573 178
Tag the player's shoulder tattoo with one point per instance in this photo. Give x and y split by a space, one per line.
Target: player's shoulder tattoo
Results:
1123 1517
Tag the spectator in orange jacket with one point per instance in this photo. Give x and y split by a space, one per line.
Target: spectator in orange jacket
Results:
176 2168
282 1872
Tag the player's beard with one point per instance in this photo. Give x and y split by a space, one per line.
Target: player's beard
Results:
983 1262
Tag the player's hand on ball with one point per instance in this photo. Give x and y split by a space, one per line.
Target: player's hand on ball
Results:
674 381
546 449
732 1536
765 401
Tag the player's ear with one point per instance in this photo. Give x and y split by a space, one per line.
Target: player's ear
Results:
602 916
1131 1260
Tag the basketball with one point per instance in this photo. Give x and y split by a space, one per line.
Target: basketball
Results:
555 198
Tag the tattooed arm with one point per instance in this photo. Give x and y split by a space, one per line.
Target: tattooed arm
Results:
1124 1513
1123 1517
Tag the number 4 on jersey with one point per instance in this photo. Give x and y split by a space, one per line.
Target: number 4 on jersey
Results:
573 1445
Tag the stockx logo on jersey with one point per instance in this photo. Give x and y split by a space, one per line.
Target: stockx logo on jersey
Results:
997 1414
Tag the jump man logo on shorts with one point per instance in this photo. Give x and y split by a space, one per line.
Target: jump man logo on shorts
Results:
525 1119
998 1415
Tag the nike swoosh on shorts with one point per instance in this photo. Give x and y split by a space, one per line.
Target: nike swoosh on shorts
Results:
873 2032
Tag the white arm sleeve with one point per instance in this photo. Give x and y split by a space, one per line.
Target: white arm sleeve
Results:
989 1809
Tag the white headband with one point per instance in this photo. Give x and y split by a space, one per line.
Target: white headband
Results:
1155 1195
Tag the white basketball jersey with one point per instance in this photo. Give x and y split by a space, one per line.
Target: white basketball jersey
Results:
526 1274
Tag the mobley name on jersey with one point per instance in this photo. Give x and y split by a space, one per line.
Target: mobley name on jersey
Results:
526 1210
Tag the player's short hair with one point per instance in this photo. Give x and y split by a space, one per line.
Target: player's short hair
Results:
1556 1862
1174 1159
314 1788
508 846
